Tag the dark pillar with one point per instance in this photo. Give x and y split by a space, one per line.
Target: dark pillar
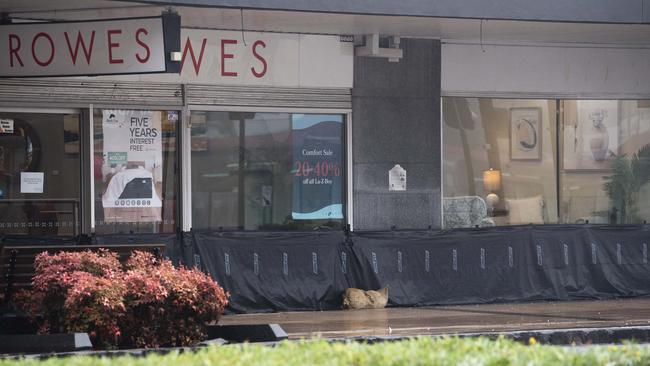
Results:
396 120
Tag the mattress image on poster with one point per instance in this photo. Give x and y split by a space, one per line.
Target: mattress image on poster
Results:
131 188
138 188
317 167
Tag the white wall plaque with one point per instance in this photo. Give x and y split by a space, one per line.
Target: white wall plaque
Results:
397 178
31 182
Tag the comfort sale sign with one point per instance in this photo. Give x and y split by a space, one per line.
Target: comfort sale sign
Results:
120 46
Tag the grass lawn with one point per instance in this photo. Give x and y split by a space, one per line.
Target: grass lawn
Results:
420 351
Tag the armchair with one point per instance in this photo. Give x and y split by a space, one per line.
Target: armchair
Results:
465 211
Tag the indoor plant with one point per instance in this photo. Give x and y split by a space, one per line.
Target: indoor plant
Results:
623 186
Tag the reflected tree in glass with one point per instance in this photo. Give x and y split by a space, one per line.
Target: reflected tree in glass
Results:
457 115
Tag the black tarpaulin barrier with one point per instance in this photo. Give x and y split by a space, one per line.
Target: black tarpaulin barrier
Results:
274 271
520 263
271 271
285 271
460 266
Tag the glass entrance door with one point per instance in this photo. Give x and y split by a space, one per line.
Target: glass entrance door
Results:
39 172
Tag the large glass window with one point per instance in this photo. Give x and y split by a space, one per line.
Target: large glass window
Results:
134 171
39 173
499 162
267 171
605 176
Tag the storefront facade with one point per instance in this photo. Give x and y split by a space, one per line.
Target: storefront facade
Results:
285 85
290 168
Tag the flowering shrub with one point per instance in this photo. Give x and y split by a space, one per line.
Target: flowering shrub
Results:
95 305
149 303
56 276
166 306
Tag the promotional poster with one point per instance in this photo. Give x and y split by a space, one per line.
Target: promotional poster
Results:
132 165
318 160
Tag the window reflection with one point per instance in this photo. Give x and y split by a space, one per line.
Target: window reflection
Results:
606 161
266 171
498 162
39 173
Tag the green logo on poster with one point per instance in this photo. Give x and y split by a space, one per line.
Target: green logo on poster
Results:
116 158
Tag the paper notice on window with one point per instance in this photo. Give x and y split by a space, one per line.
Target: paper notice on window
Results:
397 179
6 125
31 182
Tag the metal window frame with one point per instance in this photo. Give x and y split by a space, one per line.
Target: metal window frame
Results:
186 164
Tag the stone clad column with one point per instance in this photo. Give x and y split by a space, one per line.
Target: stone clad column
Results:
396 120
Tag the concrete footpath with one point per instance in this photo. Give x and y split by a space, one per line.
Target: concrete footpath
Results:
460 319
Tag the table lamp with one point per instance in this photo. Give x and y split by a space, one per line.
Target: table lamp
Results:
492 184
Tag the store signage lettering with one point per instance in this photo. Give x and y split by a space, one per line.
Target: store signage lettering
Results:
142 133
123 46
258 58
46 43
138 46
258 69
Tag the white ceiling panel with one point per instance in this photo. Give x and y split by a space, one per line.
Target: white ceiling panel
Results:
448 29
14 6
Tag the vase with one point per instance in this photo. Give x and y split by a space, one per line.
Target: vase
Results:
599 142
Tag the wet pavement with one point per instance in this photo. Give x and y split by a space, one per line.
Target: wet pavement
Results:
458 319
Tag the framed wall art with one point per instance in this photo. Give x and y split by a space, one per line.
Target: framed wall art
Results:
525 134
591 138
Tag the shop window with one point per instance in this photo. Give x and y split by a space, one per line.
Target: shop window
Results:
39 173
267 171
605 176
499 162
134 171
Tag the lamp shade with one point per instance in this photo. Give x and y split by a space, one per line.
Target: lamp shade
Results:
492 180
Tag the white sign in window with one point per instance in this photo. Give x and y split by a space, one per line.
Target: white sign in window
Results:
31 182
6 125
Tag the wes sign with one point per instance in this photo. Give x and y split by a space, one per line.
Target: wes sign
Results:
256 58
124 46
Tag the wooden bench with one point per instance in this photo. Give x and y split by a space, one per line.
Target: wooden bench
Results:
17 268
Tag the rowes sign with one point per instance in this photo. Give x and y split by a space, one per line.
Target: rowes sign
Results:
139 49
106 47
